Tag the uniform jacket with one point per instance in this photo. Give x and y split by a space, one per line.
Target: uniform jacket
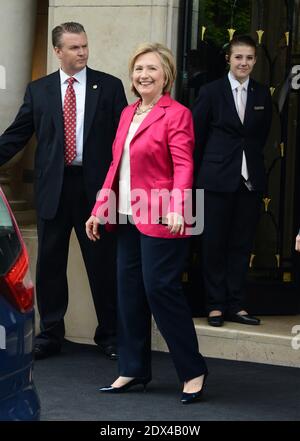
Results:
221 137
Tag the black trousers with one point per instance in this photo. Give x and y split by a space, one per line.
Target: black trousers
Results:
99 258
149 281
230 221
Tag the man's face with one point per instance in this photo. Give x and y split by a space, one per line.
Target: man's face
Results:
73 52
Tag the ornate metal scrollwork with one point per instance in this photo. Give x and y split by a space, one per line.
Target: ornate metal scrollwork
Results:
260 33
231 33
266 202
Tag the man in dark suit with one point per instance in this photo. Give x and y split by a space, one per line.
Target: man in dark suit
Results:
232 119
74 114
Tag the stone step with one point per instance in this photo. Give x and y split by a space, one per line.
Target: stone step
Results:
275 341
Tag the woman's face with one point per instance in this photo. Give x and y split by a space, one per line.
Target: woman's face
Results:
242 61
148 76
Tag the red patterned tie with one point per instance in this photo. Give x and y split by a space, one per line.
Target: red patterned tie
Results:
70 122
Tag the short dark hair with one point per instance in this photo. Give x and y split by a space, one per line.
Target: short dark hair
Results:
58 31
241 40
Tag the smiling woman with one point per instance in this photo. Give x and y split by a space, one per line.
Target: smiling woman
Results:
148 80
151 67
152 255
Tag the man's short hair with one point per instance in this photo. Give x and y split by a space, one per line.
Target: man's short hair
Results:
70 27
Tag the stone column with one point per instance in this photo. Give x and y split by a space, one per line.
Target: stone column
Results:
17 22
115 28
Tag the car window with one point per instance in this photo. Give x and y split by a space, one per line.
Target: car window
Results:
5 219
10 245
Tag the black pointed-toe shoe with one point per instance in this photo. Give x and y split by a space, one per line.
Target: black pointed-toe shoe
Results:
244 319
131 383
189 398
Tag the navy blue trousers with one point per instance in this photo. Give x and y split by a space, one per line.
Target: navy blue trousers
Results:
51 272
149 281
230 223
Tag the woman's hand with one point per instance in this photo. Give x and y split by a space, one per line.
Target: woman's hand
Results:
175 223
92 228
297 244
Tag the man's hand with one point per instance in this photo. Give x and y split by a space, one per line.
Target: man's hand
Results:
297 244
92 228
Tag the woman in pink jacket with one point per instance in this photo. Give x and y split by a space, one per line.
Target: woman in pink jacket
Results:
146 192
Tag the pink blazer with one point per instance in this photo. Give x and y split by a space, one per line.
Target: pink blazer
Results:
161 166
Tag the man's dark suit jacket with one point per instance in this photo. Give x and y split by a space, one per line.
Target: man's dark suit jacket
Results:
42 113
221 137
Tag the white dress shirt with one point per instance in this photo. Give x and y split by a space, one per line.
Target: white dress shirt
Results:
235 84
80 89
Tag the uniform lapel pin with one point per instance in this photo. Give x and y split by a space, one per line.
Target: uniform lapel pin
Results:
95 86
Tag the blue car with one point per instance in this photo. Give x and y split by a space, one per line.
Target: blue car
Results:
19 400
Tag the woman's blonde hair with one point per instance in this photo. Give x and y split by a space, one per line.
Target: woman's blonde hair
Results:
166 59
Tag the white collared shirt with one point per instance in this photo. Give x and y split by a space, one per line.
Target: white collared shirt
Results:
234 85
80 90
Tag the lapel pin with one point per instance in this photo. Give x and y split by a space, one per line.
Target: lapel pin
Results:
95 86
